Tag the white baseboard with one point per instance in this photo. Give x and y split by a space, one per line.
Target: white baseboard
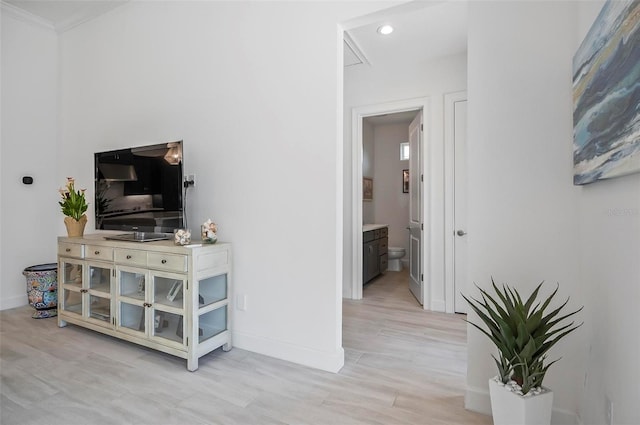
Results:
477 400
331 362
438 305
13 302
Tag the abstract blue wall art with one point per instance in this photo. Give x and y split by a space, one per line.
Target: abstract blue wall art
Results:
606 95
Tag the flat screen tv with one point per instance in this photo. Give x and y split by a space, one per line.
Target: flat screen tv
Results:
140 189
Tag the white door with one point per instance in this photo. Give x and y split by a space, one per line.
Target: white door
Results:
415 208
460 205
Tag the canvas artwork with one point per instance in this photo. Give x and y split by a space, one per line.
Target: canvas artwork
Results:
606 95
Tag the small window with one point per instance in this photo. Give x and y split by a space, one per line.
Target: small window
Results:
404 151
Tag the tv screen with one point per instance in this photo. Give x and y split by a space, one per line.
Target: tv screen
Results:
140 189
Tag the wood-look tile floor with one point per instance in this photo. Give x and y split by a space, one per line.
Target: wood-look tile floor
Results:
402 366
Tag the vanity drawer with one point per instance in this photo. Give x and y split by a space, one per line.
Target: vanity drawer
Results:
368 236
169 262
383 244
384 263
384 232
376 234
95 252
75 250
131 257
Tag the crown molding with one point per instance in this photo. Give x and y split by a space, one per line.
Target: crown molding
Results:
23 15
87 15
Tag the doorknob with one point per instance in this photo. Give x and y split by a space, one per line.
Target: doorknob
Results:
461 233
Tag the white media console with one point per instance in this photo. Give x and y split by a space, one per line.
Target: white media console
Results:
169 298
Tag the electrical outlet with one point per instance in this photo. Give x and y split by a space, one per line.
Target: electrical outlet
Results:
608 410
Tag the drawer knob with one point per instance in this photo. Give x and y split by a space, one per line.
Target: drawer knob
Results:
68 250
164 261
97 252
128 257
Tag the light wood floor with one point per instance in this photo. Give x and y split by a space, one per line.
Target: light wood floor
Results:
402 366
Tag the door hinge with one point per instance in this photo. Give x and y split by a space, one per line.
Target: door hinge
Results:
421 226
421 127
421 277
421 177
187 341
186 284
113 272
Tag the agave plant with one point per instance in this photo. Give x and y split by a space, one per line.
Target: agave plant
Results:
522 332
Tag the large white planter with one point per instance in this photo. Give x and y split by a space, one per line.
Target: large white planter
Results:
509 408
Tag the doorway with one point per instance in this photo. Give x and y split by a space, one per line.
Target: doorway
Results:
358 116
391 170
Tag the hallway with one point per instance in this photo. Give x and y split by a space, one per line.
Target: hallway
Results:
391 342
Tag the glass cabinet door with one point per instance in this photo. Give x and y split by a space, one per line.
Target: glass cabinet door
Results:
167 299
131 300
212 290
71 275
99 293
212 323
212 312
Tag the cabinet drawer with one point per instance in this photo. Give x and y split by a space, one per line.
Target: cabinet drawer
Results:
384 232
368 236
384 262
99 253
131 257
383 244
75 250
376 234
170 262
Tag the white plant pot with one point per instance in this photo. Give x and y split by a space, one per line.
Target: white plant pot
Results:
509 408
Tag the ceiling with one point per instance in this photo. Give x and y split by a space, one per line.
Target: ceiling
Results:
425 32
395 118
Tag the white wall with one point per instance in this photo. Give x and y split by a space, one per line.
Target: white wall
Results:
390 204
534 224
29 215
253 89
609 253
383 83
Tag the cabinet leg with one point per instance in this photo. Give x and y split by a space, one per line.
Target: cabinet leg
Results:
227 347
61 323
192 364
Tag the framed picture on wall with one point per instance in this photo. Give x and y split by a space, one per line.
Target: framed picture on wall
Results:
405 181
367 189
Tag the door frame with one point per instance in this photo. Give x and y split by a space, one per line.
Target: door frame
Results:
357 115
450 100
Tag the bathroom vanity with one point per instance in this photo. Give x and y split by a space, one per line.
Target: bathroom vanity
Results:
375 242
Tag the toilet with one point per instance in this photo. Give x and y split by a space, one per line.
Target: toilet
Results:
394 255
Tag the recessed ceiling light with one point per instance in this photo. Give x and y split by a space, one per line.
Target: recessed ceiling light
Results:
385 29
